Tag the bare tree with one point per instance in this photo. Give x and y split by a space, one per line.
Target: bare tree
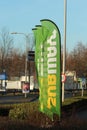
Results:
6 45
77 60
31 42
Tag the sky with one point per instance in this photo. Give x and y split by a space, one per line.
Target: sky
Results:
22 15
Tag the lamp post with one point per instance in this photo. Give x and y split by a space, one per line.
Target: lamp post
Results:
26 36
64 46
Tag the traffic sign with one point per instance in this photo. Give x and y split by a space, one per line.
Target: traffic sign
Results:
3 76
31 55
63 78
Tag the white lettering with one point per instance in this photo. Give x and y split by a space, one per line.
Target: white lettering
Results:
52 52
52 43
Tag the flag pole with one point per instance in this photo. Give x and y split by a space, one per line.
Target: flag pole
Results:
64 46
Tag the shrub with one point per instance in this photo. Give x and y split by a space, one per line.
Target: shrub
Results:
30 112
18 112
23 111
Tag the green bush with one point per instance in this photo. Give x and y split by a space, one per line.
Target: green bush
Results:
18 112
23 111
30 113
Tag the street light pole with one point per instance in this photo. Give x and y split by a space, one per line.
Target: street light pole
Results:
26 51
26 36
26 60
64 47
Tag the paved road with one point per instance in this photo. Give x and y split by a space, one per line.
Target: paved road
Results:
20 98
11 99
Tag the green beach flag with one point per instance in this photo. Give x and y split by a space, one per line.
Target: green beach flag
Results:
40 36
42 33
53 49
47 60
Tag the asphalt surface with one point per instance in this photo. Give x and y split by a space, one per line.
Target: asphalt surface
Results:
12 99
